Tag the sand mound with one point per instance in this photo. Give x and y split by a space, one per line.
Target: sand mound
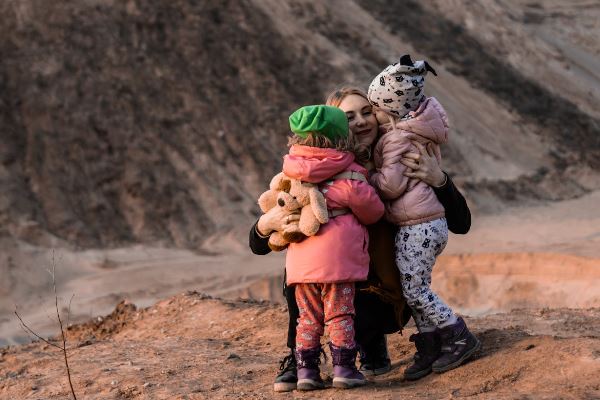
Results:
195 347
478 284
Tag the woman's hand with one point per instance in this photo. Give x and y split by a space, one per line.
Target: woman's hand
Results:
424 166
276 219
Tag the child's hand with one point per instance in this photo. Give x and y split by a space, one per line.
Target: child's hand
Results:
276 219
424 166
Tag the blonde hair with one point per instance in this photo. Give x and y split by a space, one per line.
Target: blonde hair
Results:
361 152
392 119
317 140
336 97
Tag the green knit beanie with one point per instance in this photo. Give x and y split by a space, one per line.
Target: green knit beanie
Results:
327 121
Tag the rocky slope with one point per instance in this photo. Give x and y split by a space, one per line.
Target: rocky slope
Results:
160 122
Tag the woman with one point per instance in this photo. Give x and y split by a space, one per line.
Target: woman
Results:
379 305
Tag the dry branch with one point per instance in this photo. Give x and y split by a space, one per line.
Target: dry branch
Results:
63 348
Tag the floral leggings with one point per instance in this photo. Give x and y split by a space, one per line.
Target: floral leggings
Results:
417 247
321 304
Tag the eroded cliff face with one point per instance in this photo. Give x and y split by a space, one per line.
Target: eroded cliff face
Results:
161 122
143 121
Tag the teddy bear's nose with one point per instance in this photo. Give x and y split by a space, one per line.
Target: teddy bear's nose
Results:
281 202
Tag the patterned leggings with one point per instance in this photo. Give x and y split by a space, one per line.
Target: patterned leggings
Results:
417 247
323 304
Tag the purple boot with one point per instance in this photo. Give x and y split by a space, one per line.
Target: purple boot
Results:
345 374
309 375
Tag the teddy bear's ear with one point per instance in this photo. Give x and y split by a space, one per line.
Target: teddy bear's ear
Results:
285 185
318 205
280 182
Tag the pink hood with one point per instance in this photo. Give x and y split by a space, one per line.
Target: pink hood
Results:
338 252
314 164
428 123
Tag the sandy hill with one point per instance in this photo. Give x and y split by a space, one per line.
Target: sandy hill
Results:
194 347
152 122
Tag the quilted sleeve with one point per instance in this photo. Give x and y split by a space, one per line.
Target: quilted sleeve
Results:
389 179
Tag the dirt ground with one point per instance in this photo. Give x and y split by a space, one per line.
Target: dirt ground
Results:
192 346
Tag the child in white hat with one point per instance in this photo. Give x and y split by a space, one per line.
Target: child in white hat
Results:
406 115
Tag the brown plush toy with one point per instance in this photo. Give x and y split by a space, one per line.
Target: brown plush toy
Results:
293 195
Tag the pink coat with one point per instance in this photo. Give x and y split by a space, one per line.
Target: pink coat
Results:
339 251
409 201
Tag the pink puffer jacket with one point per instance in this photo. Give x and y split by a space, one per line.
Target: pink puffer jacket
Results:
409 201
339 251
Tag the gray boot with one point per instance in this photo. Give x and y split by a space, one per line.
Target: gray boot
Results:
428 350
458 344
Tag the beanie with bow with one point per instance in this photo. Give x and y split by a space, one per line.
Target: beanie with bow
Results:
398 89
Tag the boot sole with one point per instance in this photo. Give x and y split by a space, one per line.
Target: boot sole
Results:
417 375
375 372
309 384
345 383
457 363
284 386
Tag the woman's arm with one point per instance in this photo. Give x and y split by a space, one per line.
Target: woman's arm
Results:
258 243
425 166
458 214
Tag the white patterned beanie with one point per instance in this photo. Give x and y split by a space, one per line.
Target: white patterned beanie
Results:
398 89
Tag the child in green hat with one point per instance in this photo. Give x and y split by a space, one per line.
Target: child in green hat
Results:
324 267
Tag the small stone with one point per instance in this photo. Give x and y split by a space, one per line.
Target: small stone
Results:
233 356
529 347
147 384
214 387
114 383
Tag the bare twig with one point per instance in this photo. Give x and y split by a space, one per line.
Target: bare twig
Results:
28 330
62 331
63 348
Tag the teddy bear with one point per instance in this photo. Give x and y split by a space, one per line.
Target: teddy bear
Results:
293 194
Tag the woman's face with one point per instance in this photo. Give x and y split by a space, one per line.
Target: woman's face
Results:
361 119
